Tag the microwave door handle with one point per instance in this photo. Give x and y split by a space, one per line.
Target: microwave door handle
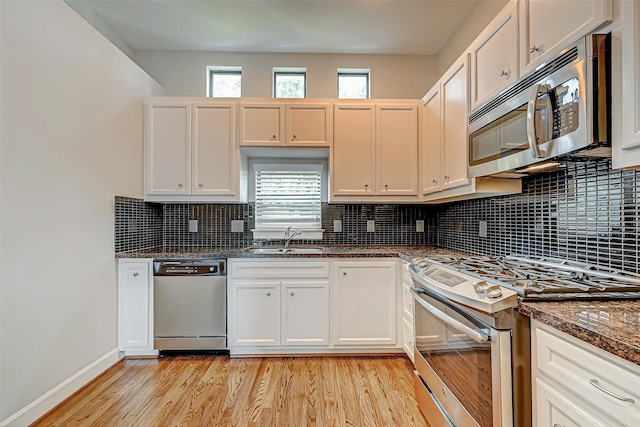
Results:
475 335
531 123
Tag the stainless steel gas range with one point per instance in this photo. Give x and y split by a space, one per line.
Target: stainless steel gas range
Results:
472 347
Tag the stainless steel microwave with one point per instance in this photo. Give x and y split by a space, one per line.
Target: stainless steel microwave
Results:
561 108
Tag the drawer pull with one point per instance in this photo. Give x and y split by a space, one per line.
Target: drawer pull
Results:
594 382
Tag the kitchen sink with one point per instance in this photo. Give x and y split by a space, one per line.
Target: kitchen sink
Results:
277 251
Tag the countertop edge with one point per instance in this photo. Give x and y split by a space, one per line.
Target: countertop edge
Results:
609 344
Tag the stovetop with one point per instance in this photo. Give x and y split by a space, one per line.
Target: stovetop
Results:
541 278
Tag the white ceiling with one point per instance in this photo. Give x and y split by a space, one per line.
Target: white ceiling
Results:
419 27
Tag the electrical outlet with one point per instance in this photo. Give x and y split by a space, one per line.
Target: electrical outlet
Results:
371 226
420 226
193 226
337 226
482 229
237 226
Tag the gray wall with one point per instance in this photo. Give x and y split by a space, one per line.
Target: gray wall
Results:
392 76
72 138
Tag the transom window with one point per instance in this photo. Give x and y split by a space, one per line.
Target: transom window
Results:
225 82
353 83
289 83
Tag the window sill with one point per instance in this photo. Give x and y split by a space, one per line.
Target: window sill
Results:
278 234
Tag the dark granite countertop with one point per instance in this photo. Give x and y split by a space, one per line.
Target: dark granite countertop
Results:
613 326
402 251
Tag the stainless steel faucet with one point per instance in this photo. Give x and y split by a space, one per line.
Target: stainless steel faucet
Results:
289 235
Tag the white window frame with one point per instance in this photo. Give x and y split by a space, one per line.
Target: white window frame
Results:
221 69
288 71
355 72
277 233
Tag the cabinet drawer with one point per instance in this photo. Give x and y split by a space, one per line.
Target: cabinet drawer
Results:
581 370
554 409
272 268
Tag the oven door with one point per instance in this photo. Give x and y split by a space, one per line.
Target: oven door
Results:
463 364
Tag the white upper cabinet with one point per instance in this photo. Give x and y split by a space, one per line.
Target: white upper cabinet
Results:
309 125
626 108
190 151
168 148
548 26
455 108
397 150
353 155
262 124
431 142
494 56
213 155
273 124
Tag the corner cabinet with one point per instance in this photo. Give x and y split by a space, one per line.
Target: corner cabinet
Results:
135 307
626 113
190 151
363 303
375 152
546 27
271 124
577 384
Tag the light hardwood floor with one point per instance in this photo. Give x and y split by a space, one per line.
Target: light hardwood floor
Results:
256 392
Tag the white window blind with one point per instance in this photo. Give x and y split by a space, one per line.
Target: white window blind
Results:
288 195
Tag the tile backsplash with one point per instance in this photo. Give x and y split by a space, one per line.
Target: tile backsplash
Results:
138 225
584 212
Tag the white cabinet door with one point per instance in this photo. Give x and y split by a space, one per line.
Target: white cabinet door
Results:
626 135
353 154
309 125
135 307
455 108
254 311
214 158
548 26
261 124
397 150
363 303
431 143
168 148
494 56
305 313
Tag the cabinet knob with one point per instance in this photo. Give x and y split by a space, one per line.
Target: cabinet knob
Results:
293 138
344 273
179 185
268 294
386 186
366 186
534 48
274 137
135 274
435 181
200 185
292 293
446 177
503 73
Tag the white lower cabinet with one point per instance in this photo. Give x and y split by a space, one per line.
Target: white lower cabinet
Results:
255 317
135 307
287 306
407 312
363 303
578 384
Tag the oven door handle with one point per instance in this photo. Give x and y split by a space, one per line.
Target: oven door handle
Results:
476 335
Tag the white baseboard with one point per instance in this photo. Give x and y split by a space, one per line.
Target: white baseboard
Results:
53 397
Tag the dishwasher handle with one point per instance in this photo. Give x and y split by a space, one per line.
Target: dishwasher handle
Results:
196 267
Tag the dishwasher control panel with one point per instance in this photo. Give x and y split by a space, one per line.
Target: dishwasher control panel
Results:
189 268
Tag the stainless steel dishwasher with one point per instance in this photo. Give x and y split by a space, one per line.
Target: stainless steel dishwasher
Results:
190 305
